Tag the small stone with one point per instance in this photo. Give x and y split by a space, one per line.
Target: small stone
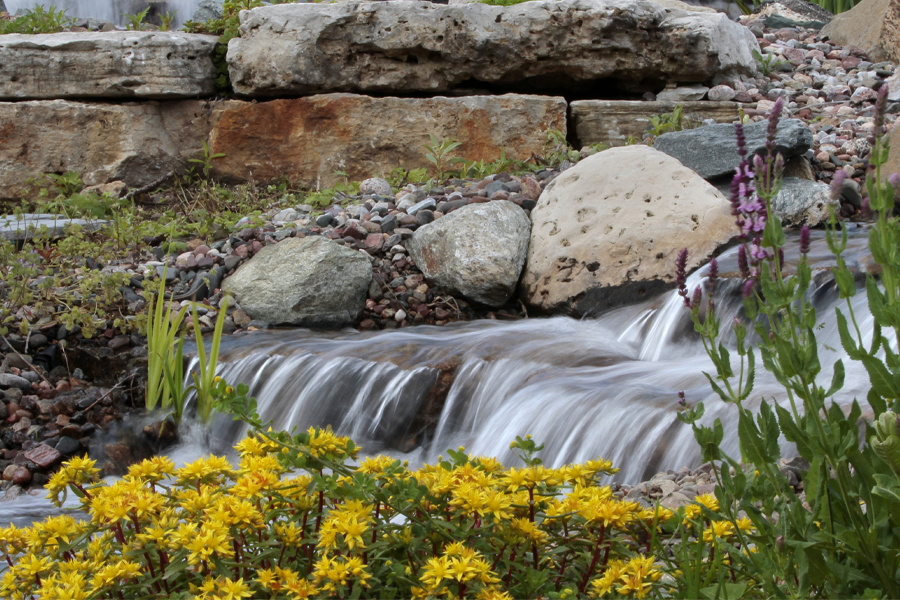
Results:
43 456
721 93
8 380
68 446
375 187
423 217
427 203
400 315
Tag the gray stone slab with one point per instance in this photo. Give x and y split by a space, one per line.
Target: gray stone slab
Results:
114 64
25 226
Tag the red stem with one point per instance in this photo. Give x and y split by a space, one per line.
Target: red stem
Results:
590 571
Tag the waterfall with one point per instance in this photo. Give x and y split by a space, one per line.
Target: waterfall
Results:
595 387
112 10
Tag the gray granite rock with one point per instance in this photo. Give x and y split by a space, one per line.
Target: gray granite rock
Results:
207 10
477 251
798 202
711 151
310 282
376 186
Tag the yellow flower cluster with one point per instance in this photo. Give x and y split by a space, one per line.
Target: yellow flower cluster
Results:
290 521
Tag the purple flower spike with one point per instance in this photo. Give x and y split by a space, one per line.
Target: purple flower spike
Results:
804 240
772 128
748 288
681 400
681 275
880 110
837 184
698 294
741 139
742 262
713 271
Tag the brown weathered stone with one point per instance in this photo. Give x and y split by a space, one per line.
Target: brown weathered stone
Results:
307 139
612 122
43 456
134 143
871 25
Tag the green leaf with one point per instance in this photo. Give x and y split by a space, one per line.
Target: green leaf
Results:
847 341
837 380
882 380
725 591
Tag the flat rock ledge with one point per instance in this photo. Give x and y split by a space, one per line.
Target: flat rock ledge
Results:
115 64
407 47
305 139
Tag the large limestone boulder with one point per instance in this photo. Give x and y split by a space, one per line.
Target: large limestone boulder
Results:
134 143
871 25
608 230
114 64
711 150
423 47
308 139
476 251
310 282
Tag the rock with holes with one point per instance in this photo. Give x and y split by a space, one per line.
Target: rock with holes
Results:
310 282
113 64
608 230
476 251
407 47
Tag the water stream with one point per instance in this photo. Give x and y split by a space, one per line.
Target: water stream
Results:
596 387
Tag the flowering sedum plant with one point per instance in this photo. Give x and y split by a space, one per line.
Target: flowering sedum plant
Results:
301 516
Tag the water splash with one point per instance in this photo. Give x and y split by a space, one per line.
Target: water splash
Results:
112 10
605 387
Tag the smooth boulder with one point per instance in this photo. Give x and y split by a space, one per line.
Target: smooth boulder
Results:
113 64
476 251
407 47
711 150
871 25
798 202
608 231
308 282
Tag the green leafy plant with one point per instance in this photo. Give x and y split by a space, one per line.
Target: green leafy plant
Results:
166 21
164 350
136 21
666 122
438 154
205 159
205 379
842 541
37 20
66 183
767 63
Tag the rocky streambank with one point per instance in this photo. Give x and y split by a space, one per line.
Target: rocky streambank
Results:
507 245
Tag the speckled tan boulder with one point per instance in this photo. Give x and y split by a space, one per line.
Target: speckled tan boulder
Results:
608 230
872 25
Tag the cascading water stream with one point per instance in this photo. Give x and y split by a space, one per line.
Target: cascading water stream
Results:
596 387
112 10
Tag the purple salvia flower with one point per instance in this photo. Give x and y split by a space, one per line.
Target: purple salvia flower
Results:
713 270
772 128
781 257
681 275
742 262
880 111
837 184
681 399
741 139
748 288
698 294
804 240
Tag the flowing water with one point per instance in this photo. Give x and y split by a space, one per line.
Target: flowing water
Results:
586 388
113 10
595 387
